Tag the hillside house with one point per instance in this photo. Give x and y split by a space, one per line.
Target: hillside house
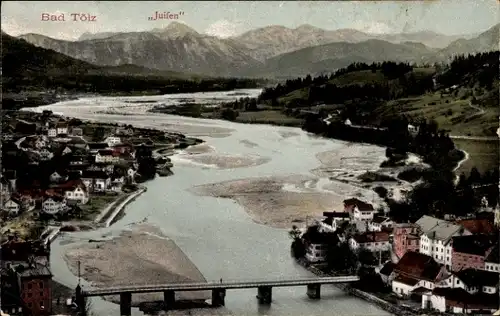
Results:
359 210
416 270
470 251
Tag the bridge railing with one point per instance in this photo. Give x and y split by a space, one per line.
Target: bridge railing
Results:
228 283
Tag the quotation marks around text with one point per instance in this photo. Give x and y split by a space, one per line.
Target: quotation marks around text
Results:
165 15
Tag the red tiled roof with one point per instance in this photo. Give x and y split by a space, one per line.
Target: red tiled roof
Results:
72 184
419 266
478 226
381 236
477 245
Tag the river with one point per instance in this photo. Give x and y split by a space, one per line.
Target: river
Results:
219 237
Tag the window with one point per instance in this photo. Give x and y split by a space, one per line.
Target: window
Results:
41 294
30 294
29 286
40 285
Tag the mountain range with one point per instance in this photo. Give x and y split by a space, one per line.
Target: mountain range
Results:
271 51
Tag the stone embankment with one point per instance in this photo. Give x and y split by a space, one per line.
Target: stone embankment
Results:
118 207
385 305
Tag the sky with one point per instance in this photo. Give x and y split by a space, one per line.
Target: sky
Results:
229 18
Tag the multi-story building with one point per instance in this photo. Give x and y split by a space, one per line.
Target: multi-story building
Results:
436 240
359 210
415 271
405 238
470 251
371 241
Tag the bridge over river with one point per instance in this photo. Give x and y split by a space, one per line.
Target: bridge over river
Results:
264 290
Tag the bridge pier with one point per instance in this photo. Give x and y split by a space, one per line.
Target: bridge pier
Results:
265 294
314 291
218 297
80 300
125 304
168 299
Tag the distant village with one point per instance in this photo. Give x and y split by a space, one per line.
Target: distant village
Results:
430 265
56 171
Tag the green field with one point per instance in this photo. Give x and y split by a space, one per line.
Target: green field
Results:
484 155
452 114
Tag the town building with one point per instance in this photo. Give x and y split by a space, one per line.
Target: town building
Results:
113 141
359 210
75 191
62 128
12 206
406 237
54 204
380 222
492 261
470 251
96 180
466 291
317 244
332 221
478 226
106 156
416 270
435 241
371 241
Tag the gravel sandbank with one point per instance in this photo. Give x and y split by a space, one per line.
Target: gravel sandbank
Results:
269 202
222 161
199 149
140 256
